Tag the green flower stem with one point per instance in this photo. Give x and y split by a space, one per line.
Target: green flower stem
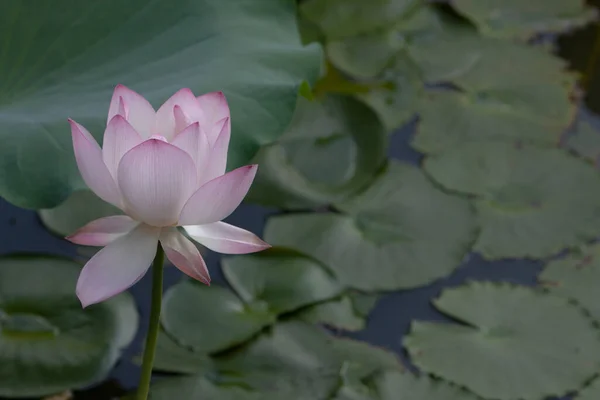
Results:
157 288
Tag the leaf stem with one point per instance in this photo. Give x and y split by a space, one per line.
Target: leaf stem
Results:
157 288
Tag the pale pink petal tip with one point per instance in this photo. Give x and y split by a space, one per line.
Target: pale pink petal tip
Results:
225 238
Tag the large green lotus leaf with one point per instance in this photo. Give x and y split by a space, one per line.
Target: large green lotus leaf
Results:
210 319
199 387
394 385
170 356
450 119
344 18
402 232
591 392
337 314
523 19
585 141
513 343
530 202
293 359
81 207
48 343
63 58
332 149
284 280
397 98
576 277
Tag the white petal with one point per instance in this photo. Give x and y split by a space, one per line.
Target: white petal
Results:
156 178
218 198
134 107
119 138
103 231
91 166
118 266
184 255
165 116
194 142
225 238
217 162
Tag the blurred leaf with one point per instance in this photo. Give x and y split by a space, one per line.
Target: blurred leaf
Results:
284 280
338 313
81 207
365 56
198 387
394 385
211 319
332 149
450 119
48 343
523 19
577 277
294 360
402 233
170 356
513 343
585 141
343 18
531 202
591 392
396 101
364 303
62 59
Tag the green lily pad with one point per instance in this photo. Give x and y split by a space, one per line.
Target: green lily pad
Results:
344 18
284 280
333 148
450 119
530 202
576 277
513 343
365 56
396 101
81 207
170 356
591 392
48 343
338 314
198 387
189 305
63 59
522 20
392 385
294 359
585 141
402 232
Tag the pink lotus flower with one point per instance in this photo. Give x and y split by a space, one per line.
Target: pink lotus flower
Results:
163 169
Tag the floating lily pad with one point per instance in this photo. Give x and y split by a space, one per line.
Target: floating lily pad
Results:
530 202
284 280
396 100
81 207
514 343
576 277
62 59
294 359
48 343
170 356
344 18
450 119
585 141
591 392
199 387
189 305
333 148
338 314
393 385
523 19
402 232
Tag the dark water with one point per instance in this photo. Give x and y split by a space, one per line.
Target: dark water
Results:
21 231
